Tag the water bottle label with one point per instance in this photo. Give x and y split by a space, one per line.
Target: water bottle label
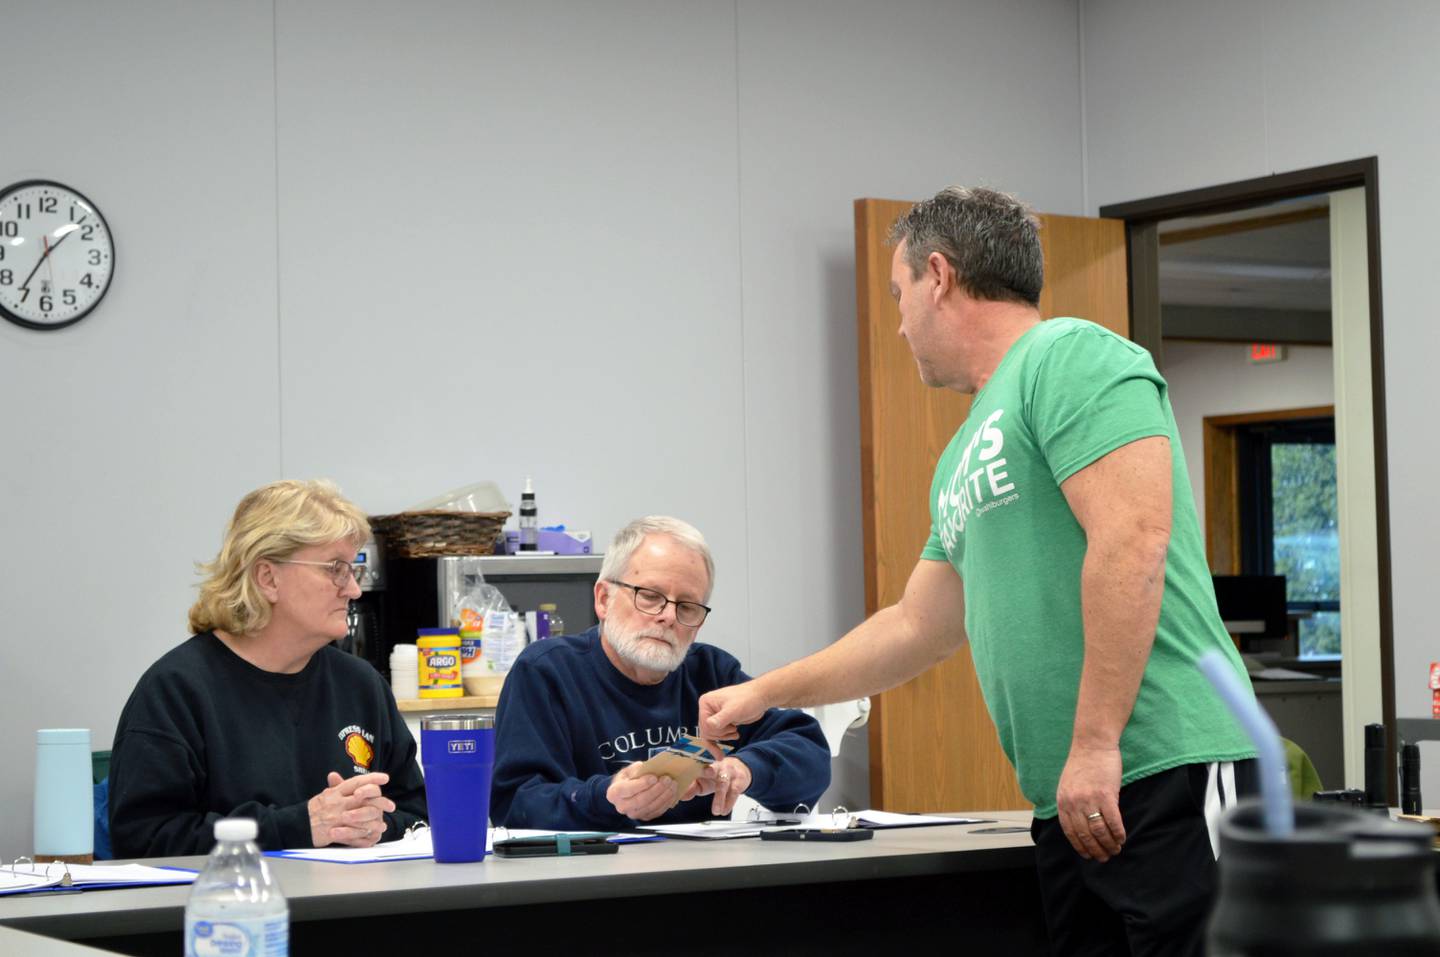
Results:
259 937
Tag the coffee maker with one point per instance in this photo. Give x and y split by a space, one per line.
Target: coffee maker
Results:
367 613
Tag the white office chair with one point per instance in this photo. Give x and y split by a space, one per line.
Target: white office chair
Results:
835 720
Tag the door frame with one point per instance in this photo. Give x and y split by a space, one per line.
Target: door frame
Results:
1142 218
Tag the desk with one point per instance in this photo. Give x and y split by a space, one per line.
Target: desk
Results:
18 942
945 886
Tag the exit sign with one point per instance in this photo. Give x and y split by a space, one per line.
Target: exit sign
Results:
1266 352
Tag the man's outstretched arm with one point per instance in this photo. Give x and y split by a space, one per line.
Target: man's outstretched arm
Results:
889 648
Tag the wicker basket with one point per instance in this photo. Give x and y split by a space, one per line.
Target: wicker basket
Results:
439 532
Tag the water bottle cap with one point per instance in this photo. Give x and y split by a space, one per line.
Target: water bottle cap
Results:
236 829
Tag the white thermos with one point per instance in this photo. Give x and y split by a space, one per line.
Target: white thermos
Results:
64 796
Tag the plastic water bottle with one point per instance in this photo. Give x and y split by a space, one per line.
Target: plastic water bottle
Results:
557 624
236 907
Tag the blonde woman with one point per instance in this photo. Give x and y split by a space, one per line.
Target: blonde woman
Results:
257 714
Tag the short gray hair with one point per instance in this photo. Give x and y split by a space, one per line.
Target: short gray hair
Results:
628 540
991 239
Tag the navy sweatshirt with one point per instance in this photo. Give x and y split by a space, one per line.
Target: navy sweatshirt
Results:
568 720
207 735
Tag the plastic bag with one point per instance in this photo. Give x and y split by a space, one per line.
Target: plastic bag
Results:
503 642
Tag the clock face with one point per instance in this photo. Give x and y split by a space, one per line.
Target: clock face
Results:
56 255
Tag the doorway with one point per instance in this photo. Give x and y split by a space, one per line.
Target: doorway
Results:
1351 192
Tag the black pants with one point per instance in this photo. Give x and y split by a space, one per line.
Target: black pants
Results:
1152 898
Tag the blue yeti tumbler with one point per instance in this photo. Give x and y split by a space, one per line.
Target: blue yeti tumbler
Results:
458 752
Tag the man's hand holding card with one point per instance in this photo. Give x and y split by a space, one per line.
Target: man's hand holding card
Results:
690 767
641 796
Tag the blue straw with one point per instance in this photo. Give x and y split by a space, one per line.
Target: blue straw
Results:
1274 777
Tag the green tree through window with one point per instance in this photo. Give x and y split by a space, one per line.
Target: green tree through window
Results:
1290 523
1306 539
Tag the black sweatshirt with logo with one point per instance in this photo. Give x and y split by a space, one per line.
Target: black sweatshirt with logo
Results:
207 735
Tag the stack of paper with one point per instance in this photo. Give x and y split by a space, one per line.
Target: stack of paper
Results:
724 830
708 830
417 845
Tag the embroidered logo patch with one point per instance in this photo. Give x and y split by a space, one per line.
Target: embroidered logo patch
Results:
359 746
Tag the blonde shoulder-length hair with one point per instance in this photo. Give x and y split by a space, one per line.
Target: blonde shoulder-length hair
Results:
272 522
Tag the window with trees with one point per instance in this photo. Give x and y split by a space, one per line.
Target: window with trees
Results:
1288 521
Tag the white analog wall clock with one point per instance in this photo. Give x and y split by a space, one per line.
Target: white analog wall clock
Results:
57 256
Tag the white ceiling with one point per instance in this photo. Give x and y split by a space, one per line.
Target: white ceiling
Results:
1262 265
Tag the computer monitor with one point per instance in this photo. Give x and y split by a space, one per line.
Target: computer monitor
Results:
1253 607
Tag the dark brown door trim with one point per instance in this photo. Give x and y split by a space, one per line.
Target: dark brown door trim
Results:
1141 220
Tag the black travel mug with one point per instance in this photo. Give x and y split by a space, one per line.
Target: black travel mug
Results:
1410 779
1345 883
1375 796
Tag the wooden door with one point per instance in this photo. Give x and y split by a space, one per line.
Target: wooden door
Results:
904 426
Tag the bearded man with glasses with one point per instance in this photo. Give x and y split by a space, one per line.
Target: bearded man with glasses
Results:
579 714
257 714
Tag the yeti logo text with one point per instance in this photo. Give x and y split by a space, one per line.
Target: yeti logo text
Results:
968 487
463 746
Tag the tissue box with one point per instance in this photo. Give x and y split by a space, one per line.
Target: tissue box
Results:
556 541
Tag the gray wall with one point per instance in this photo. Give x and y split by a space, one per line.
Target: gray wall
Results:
412 246
1180 96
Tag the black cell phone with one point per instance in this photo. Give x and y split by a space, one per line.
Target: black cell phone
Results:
556 845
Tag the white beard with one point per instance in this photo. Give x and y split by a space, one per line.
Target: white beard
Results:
637 652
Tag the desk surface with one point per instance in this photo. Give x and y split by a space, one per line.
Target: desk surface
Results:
14 941
321 891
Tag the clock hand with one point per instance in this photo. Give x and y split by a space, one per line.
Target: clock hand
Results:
43 257
49 266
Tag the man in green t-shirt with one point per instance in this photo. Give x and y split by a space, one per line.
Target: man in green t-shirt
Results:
1065 546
